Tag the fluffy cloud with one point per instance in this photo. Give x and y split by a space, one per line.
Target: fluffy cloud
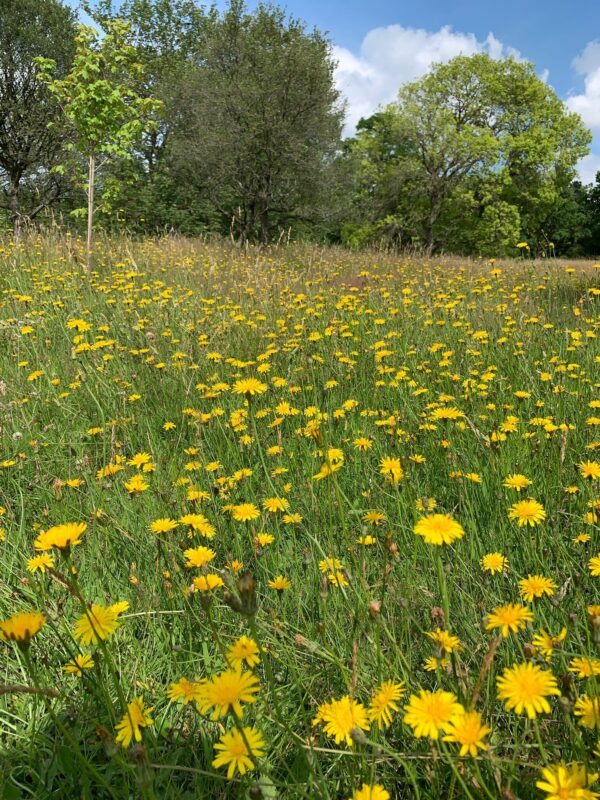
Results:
588 167
587 104
392 55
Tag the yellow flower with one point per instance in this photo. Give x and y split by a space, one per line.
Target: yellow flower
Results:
384 702
525 687
340 717
445 641
585 667
517 482
467 730
198 556
428 713
136 485
392 469
567 782
135 718
22 627
439 529
206 583
536 586
249 386
527 512
163 525
78 664
244 650
245 512
239 752
494 562
547 644
588 711
99 622
375 792
60 536
199 524
510 618
227 691
280 583
140 460
42 562
276 504
590 470
594 565
186 691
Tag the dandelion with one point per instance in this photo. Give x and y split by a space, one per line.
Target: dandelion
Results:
186 691
494 562
137 717
340 718
517 482
207 583
239 750
510 618
78 664
594 565
467 730
245 512
384 702
198 556
536 586
527 512
368 792
428 713
163 525
439 529
249 387
244 650
40 563
62 536
567 782
590 470
585 667
280 583
547 644
588 711
98 623
525 687
227 691
22 627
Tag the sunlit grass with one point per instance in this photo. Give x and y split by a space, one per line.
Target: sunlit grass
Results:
250 440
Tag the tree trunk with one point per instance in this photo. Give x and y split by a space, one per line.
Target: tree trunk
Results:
15 210
90 215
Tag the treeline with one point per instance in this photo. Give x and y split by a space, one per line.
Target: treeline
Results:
243 138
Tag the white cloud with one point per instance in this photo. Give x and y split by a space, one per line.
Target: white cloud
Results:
588 167
587 63
393 55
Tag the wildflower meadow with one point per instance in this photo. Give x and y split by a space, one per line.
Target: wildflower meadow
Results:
297 523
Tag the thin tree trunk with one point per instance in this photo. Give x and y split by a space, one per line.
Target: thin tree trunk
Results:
90 216
15 211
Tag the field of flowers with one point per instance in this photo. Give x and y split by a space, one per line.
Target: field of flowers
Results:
298 524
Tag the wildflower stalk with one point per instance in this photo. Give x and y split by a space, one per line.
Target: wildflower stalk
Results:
65 732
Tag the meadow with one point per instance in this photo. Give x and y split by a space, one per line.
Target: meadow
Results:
297 523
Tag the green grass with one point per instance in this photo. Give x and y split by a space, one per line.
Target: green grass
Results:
466 335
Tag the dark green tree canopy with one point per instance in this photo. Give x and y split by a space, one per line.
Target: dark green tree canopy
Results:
29 148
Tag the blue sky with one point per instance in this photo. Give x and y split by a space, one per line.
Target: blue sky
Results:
382 43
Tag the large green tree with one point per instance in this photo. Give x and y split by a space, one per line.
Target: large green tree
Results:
483 149
29 148
260 120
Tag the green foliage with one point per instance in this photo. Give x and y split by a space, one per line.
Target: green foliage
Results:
30 151
472 156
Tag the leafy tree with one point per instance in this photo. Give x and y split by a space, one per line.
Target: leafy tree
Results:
29 149
98 99
260 120
479 152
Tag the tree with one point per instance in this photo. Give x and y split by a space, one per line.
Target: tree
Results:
483 150
29 149
99 101
260 120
